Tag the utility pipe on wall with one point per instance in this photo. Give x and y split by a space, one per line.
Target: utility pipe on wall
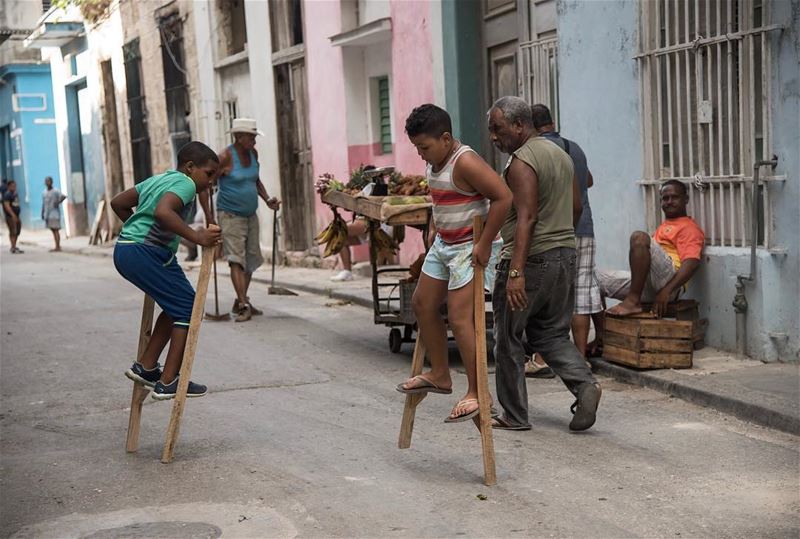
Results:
740 300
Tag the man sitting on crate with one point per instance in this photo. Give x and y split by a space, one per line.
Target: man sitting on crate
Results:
659 266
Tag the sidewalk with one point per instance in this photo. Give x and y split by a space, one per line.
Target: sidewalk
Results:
767 394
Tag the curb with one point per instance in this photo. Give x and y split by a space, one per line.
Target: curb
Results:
725 404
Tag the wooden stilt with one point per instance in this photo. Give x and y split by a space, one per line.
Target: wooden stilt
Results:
483 421
139 391
484 397
188 354
410 409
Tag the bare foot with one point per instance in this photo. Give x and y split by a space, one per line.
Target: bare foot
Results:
421 381
626 308
464 409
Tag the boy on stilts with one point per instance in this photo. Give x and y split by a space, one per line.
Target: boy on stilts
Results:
145 256
462 186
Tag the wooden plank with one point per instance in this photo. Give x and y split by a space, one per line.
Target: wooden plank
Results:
94 236
629 342
412 401
484 397
665 345
139 391
411 218
340 200
188 354
616 354
662 360
621 325
666 328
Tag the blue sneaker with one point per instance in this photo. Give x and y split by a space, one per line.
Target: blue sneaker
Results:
162 391
140 375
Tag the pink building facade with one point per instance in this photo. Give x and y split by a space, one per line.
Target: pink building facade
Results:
359 53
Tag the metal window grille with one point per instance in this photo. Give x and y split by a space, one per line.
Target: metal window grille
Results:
540 73
384 115
705 85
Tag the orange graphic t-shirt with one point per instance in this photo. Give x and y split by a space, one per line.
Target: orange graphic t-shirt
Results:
680 238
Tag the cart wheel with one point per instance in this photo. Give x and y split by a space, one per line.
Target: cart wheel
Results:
395 340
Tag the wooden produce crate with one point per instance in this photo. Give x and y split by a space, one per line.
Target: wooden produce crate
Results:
340 200
370 207
649 343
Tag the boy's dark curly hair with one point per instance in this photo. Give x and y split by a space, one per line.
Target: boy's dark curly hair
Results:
197 152
428 119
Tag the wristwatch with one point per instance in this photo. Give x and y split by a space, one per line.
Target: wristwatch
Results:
514 273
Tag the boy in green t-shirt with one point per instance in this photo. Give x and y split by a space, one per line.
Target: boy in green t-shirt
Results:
145 256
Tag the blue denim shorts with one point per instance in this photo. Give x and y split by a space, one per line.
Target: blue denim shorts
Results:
453 263
156 272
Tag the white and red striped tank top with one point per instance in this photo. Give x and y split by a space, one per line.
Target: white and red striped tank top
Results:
453 209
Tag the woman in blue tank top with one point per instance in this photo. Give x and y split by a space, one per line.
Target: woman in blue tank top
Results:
237 203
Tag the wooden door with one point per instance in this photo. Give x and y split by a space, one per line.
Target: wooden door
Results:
295 156
500 42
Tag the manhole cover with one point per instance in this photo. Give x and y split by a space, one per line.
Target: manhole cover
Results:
159 530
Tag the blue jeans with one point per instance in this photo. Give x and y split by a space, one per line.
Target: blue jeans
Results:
543 326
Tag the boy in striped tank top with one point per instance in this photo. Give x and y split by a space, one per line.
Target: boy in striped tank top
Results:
462 186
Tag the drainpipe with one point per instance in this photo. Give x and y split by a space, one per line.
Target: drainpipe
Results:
740 300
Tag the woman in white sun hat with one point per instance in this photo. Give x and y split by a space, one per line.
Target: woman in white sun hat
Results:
237 202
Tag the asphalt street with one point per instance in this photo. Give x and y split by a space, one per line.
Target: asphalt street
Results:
298 435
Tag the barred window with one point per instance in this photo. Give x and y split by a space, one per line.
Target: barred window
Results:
540 73
705 85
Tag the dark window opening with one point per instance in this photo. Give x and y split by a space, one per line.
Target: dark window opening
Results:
176 89
137 112
233 24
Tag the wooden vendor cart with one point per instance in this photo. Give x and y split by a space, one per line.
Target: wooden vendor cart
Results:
391 294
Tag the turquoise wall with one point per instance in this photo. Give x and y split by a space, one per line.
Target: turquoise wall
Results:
35 146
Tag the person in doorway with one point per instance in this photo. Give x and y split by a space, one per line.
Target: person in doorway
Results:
237 202
659 266
534 294
145 256
11 210
51 211
462 186
587 288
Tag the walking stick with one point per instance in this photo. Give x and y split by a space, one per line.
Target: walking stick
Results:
216 317
276 290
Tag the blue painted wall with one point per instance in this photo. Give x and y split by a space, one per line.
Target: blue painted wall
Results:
600 108
35 145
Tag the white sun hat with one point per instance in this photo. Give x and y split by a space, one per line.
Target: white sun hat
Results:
245 125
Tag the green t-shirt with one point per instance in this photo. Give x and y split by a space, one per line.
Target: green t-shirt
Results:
555 172
143 227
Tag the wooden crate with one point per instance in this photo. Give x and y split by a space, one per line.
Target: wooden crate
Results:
649 343
370 207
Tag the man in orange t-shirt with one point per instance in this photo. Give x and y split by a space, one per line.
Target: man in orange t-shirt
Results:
660 265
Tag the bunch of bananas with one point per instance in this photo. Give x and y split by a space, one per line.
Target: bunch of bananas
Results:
385 247
334 235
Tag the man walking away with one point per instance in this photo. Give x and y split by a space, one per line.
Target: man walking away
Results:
534 294
587 289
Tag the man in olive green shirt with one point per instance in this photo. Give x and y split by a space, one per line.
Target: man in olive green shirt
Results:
534 293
